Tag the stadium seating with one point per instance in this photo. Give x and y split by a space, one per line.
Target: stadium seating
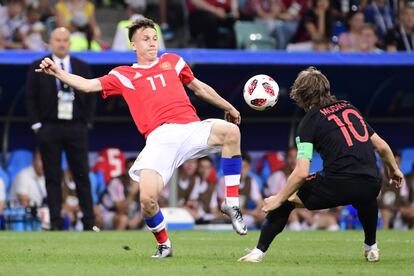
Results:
18 160
253 36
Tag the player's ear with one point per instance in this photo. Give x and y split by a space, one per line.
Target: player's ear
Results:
133 45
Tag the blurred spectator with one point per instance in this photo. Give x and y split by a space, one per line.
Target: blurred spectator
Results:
379 14
33 31
350 40
264 11
202 202
321 45
277 181
119 204
45 7
81 38
407 208
66 9
61 117
12 17
389 200
2 41
316 24
2 196
212 21
342 8
167 33
70 203
369 40
249 193
72 215
291 12
188 179
111 162
269 163
28 187
401 37
135 9
280 16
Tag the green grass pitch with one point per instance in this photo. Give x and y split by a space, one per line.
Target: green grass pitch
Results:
196 252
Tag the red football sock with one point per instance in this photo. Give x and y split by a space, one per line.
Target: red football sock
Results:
161 236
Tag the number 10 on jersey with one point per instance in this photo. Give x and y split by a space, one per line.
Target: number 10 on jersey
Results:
153 81
348 125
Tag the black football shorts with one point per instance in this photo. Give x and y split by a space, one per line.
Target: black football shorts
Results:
320 192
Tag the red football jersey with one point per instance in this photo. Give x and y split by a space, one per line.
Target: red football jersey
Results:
154 93
111 162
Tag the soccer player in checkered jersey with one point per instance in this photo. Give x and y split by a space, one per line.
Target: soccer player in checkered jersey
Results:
153 89
346 144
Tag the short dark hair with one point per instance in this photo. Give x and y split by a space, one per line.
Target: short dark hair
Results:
207 158
311 88
138 24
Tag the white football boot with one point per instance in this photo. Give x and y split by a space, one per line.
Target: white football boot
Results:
236 218
254 256
163 251
371 253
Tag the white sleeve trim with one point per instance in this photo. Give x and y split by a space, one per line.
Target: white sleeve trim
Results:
124 80
179 66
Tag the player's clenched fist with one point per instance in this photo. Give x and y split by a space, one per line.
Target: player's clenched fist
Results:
233 116
47 66
271 203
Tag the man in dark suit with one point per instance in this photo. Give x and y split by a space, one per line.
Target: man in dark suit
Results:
60 117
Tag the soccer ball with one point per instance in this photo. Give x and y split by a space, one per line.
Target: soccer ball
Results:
261 92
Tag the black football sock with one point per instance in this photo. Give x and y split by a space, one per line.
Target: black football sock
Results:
368 216
274 223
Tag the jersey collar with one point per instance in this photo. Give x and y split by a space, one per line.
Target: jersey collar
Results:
136 65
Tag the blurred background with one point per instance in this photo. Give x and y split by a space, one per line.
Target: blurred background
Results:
365 48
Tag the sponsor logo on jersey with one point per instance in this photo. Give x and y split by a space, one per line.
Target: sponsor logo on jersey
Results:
166 65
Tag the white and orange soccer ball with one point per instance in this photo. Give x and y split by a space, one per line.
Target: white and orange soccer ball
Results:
261 92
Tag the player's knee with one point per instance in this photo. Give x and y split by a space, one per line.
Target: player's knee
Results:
149 204
232 134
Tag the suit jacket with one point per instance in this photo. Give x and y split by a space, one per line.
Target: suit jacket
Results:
42 100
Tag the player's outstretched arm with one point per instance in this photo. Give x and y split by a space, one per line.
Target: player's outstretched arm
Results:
294 182
47 66
208 94
388 159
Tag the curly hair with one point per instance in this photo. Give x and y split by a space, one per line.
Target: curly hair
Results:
311 89
138 24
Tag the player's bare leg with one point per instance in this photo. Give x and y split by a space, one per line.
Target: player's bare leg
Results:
151 185
227 135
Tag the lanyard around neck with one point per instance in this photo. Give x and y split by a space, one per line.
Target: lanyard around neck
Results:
59 84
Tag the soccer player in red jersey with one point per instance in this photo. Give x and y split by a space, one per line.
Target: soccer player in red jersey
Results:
153 89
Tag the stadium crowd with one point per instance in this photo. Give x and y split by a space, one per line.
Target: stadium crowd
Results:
200 189
320 25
